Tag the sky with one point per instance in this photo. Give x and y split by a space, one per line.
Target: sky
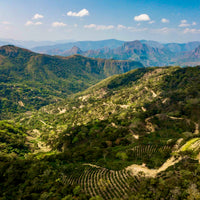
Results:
127 20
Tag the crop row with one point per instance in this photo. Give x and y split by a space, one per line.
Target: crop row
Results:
140 151
106 183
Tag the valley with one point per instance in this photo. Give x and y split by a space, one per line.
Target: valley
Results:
131 135
99 100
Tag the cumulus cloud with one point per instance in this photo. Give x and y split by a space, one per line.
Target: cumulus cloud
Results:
58 24
30 23
184 23
142 17
38 16
103 27
90 26
152 22
38 23
99 27
193 30
81 13
33 23
163 30
164 20
120 26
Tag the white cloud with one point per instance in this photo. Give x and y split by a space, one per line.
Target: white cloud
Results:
99 27
184 21
103 27
30 23
163 30
184 25
58 24
90 26
152 22
35 17
81 13
120 26
38 23
188 30
38 16
164 20
142 17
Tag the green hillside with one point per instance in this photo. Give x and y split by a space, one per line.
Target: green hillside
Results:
29 81
122 111
13 139
131 136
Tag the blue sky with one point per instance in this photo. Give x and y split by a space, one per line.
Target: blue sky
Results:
160 20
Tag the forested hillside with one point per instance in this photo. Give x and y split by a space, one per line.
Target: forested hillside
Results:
29 81
131 136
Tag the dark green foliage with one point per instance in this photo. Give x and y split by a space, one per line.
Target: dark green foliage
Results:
36 179
181 182
29 81
125 79
133 118
12 139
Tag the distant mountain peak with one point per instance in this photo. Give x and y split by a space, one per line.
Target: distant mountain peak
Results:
134 44
196 53
73 50
197 50
76 50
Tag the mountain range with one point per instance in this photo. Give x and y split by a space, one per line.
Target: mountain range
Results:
84 45
149 53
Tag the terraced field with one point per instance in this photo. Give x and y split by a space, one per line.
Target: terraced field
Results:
110 184
106 183
140 151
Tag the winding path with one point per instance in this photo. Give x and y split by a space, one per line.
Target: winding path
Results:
135 169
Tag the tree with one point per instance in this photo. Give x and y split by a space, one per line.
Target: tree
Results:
122 155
